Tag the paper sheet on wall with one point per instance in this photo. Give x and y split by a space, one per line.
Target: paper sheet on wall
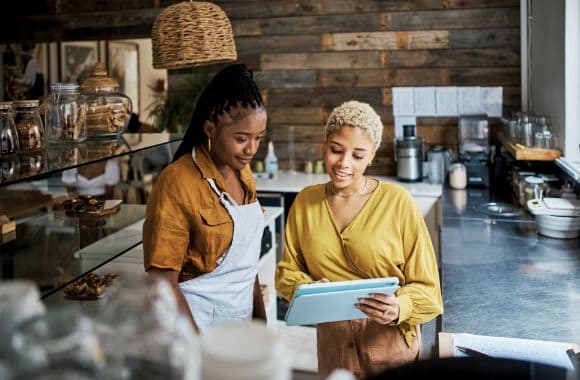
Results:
552 353
446 101
492 101
468 101
424 99
403 101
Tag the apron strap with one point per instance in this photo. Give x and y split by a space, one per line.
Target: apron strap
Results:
223 196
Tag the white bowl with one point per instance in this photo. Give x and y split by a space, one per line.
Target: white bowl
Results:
559 227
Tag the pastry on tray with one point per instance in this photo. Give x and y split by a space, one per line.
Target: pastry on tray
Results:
89 287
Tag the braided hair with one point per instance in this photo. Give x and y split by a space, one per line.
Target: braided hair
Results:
232 86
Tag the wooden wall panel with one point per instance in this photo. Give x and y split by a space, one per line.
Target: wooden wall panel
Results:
326 61
308 56
484 38
354 6
455 58
433 39
454 19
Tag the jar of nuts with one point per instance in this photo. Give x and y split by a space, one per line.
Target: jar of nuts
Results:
28 125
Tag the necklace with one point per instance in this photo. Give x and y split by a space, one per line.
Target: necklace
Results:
351 194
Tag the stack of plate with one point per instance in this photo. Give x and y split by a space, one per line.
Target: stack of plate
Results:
556 217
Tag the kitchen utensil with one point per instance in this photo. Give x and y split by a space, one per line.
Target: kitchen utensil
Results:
438 158
409 156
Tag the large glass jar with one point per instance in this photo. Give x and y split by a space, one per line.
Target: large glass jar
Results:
8 134
108 110
28 125
64 114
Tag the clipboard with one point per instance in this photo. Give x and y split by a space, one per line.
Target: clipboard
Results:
334 301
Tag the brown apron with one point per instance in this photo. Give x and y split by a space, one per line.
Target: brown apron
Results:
363 347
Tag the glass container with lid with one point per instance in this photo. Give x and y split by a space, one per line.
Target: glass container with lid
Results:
8 134
535 188
28 125
64 114
108 110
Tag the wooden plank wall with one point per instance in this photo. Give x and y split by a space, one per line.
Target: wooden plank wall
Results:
311 55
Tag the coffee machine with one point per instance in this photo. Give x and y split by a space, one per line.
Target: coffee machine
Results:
474 149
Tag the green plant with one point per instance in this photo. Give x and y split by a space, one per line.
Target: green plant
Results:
172 110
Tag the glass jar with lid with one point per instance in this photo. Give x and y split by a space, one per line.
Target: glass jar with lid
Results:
64 114
535 188
108 110
28 125
8 134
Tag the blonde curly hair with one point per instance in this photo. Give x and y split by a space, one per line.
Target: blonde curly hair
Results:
356 114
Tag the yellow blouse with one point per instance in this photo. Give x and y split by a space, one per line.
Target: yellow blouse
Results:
186 227
388 237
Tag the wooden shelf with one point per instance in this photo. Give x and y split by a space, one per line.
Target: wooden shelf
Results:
523 153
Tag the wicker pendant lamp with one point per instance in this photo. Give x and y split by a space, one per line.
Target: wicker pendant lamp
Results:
192 33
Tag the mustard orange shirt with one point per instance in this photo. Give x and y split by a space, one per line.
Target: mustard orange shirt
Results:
388 237
186 227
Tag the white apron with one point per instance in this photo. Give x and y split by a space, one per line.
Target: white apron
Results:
227 293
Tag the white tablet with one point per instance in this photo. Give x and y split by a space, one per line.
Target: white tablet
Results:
334 301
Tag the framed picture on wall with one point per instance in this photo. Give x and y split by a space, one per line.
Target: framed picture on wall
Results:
123 65
25 69
77 60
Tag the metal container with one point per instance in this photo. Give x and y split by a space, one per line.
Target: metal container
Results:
409 156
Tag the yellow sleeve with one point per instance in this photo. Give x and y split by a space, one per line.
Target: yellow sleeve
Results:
420 297
291 271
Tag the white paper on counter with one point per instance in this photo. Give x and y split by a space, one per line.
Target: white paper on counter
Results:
446 101
403 120
403 101
424 99
492 101
468 101
552 353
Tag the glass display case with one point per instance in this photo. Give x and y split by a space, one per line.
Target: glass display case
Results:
47 244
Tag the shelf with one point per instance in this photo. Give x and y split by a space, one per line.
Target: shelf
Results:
23 167
48 248
523 153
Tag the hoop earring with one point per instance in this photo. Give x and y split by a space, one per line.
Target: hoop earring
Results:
209 144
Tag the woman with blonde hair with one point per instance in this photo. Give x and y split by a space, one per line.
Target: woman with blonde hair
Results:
356 227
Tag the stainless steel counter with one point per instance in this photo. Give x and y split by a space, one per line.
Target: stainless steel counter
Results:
501 278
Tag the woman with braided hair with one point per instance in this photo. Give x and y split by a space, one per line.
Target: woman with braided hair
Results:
203 225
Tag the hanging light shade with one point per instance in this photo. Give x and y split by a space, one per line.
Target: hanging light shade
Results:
192 33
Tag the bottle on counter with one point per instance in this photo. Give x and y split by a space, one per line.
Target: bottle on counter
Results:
271 161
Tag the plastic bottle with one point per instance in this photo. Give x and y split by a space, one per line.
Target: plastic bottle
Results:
271 161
